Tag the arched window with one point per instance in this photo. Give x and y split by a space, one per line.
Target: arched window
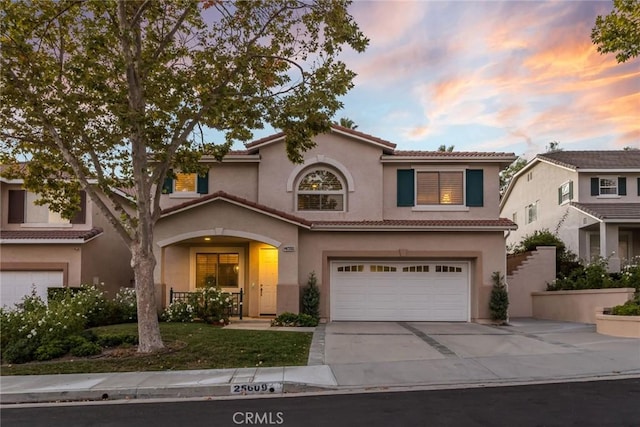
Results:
320 190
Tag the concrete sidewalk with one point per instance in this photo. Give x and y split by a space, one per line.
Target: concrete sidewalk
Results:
377 355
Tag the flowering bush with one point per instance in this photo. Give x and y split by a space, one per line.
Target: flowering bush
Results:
208 304
595 275
126 303
178 311
33 330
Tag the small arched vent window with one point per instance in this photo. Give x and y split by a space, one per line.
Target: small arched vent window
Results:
320 190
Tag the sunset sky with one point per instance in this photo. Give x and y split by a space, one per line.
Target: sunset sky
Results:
490 76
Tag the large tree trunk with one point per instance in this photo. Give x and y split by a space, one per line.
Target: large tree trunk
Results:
143 262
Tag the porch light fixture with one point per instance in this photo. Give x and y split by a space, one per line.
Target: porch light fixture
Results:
207 239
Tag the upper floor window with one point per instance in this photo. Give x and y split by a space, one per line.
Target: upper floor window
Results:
185 182
439 188
320 190
24 210
531 213
432 189
608 186
565 192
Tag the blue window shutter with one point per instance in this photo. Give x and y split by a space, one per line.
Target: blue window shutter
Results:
81 216
475 187
203 184
638 186
622 186
167 186
595 186
570 190
406 187
560 195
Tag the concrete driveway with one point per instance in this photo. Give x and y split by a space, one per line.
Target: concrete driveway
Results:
392 353
357 342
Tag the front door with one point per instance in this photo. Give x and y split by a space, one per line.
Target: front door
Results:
268 280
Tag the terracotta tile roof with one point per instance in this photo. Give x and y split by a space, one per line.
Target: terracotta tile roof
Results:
236 199
620 159
454 154
501 223
606 211
342 129
462 224
54 235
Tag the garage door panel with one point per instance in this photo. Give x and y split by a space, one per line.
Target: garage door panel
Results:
15 285
412 291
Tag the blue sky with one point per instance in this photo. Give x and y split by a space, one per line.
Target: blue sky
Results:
490 76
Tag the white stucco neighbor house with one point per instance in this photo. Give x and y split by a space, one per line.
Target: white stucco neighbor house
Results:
390 235
591 199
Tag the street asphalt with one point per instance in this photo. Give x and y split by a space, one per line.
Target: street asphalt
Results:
372 356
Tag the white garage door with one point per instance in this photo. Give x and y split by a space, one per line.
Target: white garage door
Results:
400 291
14 285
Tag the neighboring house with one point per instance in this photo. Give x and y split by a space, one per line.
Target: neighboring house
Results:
39 249
591 199
391 235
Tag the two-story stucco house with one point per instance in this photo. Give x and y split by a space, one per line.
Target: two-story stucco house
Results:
591 199
40 249
391 235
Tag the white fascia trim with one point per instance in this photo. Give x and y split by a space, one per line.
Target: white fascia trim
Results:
556 165
44 241
11 181
621 220
609 171
271 141
407 228
586 213
218 232
260 211
233 158
370 141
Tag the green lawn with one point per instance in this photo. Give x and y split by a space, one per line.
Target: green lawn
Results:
189 346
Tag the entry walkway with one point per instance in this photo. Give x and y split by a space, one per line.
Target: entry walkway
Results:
358 356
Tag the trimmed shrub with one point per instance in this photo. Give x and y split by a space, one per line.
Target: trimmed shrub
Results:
311 297
295 320
87 348
499 301
629 308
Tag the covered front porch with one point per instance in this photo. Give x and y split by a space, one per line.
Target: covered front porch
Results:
225 245
612 233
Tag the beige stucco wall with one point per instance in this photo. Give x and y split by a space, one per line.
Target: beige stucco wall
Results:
34 257
223 221
543 187
361 160
618 326
577 306
632 188
484 250
488 210
106 259
531 276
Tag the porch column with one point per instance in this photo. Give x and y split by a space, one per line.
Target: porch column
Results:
609 239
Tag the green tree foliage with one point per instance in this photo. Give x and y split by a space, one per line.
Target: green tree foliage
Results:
507 174
444 148
107 94
346 122
619 32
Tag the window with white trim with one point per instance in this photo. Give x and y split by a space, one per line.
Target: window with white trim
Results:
320 190
566 191
531 213
608 186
